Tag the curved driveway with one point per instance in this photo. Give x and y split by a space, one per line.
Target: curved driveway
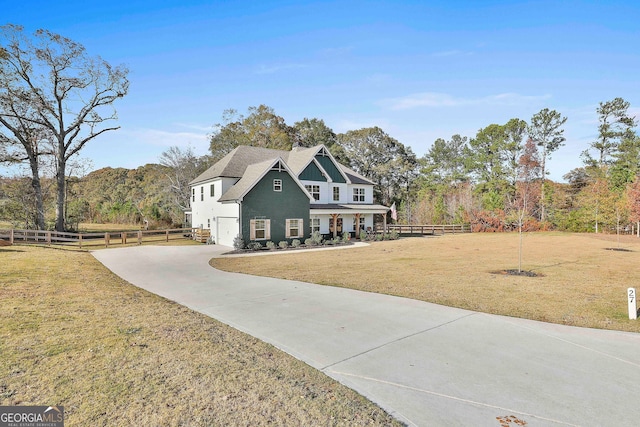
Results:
426 364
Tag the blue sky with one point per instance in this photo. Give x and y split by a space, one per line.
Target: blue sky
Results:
420 70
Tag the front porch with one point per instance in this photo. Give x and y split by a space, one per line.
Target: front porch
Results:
333 220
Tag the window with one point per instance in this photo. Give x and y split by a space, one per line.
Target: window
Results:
358 194
277 185
358 227
315 225
213 190
294 228
260 229
336 194
209 223
202 193
314 190
193 194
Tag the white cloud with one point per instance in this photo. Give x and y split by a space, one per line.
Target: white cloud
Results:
162 138
436 99
274 68
451 53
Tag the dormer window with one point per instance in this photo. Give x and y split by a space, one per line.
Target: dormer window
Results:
358 194
314 190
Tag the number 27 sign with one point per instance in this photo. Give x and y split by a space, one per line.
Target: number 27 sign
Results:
633 306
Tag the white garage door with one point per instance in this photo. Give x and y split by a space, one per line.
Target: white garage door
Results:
227 230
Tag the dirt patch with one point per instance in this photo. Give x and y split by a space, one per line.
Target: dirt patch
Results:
4 243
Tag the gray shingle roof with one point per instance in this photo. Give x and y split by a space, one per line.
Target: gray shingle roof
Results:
234 164
251 174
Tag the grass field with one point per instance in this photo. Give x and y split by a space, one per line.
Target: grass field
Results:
74 334
582 282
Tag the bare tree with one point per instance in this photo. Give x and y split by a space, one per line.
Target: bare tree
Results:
50 86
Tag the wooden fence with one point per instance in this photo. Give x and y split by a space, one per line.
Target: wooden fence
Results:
431 229
83 240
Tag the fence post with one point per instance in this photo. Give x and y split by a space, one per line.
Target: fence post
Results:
106 240
49 238
167 234
80 240
124 238
139 237
11 236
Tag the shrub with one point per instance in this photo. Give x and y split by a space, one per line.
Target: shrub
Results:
238 243
254 246
394 235
308 242
316 238
378 237
363 235
337 240
271 245
283 244
295 243
346 236
329 242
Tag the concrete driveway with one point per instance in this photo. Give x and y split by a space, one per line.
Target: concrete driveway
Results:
427 365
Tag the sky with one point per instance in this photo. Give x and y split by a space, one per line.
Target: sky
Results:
420 70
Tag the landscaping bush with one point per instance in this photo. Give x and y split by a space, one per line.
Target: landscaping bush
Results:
238 243
394 235
346 236
283 244
363 235
254 246
308 242
271 245
295 243
316 238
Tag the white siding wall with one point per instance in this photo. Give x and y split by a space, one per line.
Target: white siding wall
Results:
206 209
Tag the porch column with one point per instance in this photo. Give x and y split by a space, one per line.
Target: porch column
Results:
334 219
357 230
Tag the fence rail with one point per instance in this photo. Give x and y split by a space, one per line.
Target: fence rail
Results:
106 239
429 229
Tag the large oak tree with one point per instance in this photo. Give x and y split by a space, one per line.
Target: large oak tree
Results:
54 99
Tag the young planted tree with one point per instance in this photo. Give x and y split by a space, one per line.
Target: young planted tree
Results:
50 88
529 170
546 131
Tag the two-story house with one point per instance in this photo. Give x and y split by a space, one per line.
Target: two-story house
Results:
264 194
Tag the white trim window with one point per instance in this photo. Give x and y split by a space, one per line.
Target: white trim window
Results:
314 223
294 228
193 194
212 190
260 229
314 190
336 194
277 185
358 194
202 193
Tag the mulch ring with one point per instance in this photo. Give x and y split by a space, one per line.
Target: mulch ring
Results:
4 243
515 272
